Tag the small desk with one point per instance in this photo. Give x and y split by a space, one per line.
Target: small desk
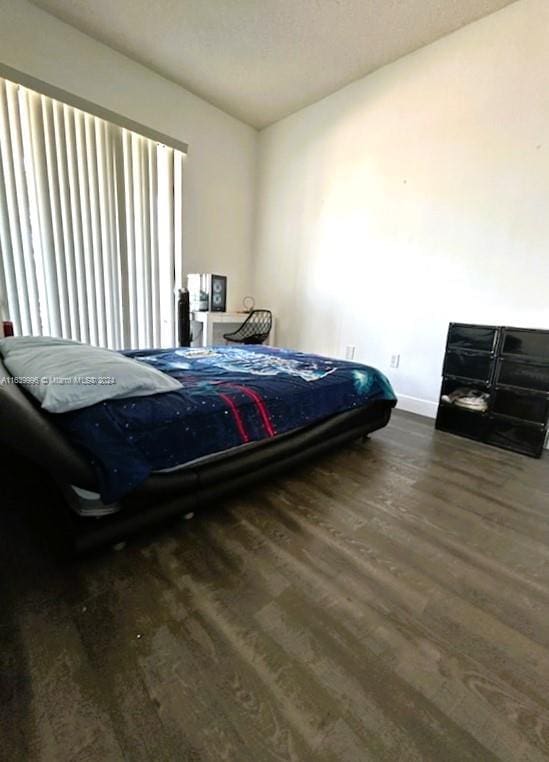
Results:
215 324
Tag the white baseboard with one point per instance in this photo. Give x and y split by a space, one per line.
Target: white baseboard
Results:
417 405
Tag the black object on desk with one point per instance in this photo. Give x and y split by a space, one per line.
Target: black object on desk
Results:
184 337
507 370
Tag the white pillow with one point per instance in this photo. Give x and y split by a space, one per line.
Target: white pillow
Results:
67 375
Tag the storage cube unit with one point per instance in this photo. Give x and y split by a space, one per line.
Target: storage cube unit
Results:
495 386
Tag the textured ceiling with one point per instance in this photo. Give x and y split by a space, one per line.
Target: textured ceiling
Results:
263 59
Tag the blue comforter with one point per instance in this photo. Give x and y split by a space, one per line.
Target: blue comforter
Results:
230 396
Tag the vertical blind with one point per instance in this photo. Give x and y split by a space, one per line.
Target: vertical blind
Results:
90 225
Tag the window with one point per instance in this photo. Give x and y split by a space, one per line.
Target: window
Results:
90 225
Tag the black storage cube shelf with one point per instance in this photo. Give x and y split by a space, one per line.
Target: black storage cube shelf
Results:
511 365
524 374
463 422
477 366
525 342
453 383
479 337
513 435
521 404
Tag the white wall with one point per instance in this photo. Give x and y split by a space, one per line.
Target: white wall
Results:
414 197
220 168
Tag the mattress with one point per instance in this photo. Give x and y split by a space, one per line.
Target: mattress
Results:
231 397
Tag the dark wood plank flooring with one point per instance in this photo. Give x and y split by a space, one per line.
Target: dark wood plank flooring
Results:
387 602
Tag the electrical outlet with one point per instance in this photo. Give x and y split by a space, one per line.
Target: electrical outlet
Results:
395 361
350 351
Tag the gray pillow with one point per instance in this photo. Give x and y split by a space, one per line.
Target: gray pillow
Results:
67 375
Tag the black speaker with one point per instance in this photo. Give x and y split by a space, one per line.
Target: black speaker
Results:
184 337
218 293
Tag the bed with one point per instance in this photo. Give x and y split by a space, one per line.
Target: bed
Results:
242 414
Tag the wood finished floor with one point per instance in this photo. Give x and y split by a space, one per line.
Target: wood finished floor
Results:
388 602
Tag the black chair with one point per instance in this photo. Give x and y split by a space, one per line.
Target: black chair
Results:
254 330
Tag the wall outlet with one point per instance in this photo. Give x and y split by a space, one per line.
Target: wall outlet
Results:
350 350
395 361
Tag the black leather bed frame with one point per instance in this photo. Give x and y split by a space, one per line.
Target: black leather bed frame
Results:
26 430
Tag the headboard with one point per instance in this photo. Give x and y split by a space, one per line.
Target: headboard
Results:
25 429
